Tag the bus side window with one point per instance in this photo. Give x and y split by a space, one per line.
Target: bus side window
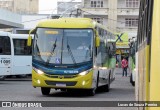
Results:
20 47
5 45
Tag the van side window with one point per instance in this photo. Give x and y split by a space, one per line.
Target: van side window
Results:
5 45
21 48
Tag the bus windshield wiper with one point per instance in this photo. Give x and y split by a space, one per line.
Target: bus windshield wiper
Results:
70 52
51 53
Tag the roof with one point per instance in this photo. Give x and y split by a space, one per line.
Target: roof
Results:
2 33
67 23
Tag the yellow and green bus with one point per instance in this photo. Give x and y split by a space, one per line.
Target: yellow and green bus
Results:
72 53
132 59
148 88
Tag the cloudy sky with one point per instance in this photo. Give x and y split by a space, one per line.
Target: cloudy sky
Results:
49 6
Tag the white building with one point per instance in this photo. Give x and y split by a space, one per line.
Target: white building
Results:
117 15
67 8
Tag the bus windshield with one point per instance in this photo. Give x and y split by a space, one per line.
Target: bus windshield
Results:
63 46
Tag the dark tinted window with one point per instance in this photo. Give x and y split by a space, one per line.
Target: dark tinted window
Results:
21 48
5 45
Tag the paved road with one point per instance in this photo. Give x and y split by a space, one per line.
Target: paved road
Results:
21 90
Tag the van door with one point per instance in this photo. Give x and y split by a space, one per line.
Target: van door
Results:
5 56
22 59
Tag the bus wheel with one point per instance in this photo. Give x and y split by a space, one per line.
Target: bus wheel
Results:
131 81
106 87
97 81
45 91
92 92
2 78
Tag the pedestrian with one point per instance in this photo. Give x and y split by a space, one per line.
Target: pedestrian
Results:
124 64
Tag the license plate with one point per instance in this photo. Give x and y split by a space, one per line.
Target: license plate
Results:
61 85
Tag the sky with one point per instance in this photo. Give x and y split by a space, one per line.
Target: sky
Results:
49 6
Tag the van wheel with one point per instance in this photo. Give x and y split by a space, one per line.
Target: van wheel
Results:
22 76
45 91
2 78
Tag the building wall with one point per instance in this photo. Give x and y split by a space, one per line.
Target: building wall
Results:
121 4
67 7
7 4
87 3
116 12
26 6
21 6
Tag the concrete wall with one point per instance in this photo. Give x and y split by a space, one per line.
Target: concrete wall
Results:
87 3
121 4
26 6
105 18
21 6
67 7
132 31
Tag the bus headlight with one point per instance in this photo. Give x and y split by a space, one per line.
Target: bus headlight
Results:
85 72
38 71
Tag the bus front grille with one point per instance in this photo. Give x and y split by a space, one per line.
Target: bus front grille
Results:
67 83
60 76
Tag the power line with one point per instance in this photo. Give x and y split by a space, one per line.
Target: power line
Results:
35 19
57 7
48 10
80 10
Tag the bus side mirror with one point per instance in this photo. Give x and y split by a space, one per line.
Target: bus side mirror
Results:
97 41
29 41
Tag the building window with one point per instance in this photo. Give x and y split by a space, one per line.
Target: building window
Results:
132 3
96 3
98 20
131 22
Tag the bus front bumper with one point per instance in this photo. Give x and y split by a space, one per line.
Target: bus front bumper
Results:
78 82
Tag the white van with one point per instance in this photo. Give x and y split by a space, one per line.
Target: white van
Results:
15 56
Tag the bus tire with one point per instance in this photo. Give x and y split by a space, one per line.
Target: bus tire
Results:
131 81
106 87
2 78
45 91
97 81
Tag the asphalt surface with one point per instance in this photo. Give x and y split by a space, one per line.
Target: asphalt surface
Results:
20 89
